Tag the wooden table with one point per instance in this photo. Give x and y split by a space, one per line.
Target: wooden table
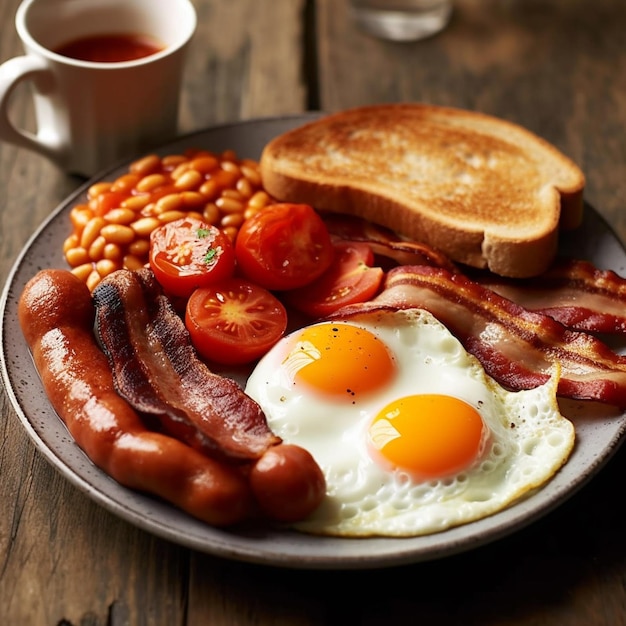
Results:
555 66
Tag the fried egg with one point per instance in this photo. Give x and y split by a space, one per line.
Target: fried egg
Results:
412 435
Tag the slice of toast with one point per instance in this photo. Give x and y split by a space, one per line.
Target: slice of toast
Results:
486 192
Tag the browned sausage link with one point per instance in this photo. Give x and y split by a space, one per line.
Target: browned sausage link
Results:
56 315
288 483
146 335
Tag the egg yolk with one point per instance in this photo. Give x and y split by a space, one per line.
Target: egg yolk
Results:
428 435
341 360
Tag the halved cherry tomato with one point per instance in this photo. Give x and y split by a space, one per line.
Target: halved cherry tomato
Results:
234 321
350 279
188 253
284 246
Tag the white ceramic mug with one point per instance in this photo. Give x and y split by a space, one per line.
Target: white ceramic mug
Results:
90 115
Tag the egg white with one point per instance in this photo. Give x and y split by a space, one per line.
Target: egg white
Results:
529 438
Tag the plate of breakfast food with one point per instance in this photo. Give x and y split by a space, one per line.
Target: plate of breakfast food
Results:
357 340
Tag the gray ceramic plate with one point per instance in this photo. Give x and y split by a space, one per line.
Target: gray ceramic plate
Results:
599 431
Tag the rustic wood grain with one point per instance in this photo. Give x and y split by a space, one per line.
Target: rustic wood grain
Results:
245 62
555 66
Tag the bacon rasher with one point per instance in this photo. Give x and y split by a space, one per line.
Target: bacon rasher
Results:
156 369
515 346
573 292
384 242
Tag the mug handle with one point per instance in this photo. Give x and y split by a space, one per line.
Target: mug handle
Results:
12 72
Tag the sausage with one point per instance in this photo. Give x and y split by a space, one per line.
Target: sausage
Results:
56 314
156 368
287 483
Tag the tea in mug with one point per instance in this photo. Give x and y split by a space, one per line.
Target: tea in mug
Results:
113 48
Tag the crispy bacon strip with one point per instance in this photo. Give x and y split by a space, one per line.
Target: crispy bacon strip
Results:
515 346
385 242
156 369
573 292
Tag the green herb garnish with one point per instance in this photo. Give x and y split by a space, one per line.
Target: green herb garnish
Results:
209 257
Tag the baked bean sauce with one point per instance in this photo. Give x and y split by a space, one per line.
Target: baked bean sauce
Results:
113 48
111 229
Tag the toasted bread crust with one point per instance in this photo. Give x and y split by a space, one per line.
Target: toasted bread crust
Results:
486 192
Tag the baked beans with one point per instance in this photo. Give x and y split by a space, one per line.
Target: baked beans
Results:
112 229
